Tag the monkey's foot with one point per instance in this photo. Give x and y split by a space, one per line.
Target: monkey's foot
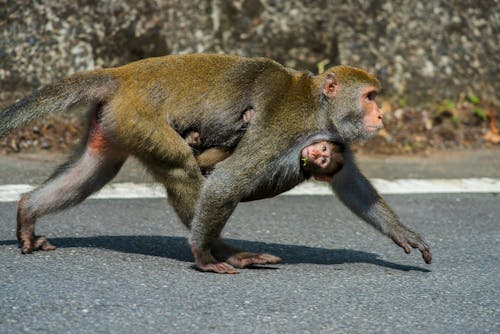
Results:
35 243
204 261
246 259
239 258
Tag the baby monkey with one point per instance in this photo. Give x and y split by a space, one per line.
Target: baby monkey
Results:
208 157
320 160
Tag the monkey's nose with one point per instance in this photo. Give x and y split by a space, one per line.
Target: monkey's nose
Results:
317 154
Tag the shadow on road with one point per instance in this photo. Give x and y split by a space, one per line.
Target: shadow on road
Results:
177 248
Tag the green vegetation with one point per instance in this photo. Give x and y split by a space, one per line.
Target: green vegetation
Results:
473 99
402 102
481 113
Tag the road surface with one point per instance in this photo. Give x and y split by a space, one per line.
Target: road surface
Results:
123 266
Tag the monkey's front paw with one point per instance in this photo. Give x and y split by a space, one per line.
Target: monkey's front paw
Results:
204 261
408 240
30 245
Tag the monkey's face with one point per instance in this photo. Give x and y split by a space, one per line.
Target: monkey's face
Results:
316 156
351 96
371 116
355 113
322 158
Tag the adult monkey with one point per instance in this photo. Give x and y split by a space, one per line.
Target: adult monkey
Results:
139 109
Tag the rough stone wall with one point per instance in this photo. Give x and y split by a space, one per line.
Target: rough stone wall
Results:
422 50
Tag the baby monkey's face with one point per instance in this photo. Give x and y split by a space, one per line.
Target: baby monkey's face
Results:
321 158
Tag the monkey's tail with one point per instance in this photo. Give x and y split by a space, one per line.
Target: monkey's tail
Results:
85 87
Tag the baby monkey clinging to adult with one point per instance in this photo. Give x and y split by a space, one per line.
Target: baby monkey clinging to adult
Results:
208 157
320 159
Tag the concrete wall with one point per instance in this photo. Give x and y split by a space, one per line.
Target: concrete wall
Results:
423 51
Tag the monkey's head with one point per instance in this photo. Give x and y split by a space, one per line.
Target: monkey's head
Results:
350 95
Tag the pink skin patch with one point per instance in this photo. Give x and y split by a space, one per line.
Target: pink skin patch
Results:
96 140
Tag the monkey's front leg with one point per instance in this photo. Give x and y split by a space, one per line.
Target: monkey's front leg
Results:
357 193
220 196
214 208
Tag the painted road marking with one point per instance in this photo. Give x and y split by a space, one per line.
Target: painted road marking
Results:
11 192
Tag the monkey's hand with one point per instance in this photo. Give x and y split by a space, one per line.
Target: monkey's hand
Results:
204 261
407 240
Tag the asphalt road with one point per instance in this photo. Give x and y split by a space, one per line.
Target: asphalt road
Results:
123 266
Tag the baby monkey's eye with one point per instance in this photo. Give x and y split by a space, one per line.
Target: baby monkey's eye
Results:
323 160
324 148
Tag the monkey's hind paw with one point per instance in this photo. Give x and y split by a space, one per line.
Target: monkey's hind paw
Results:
204 261
218 268
35 244
246 259
241 259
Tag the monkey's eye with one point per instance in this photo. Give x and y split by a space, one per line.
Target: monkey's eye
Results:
371 96
324 148
323 160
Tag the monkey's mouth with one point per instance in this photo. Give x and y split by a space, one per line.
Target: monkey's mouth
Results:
305 155
374 128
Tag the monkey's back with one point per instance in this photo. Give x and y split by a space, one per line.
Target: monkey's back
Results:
206 93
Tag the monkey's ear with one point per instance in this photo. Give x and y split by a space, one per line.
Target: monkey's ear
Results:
330 86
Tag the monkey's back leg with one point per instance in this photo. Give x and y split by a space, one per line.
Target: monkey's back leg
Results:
170 160
85 173
172 163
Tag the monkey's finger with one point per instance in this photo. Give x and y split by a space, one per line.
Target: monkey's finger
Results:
218 268
42 243
270 259
47 246
262 258
246 259
426 254
406 247
26 249
401 242
224 268
424 249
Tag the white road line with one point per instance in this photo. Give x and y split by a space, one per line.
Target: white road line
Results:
11 192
